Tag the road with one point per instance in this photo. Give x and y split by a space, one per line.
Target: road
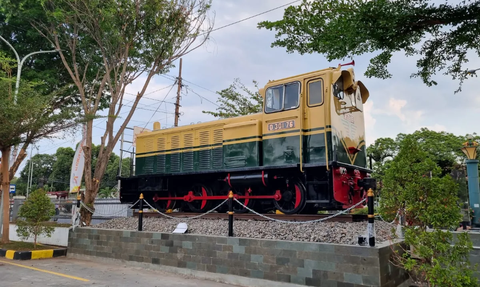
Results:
73 272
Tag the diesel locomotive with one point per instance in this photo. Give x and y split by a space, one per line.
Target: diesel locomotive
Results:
304 152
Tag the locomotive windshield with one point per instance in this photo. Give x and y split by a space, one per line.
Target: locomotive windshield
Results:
284 97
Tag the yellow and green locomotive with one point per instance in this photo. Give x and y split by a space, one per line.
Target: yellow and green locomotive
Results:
304 152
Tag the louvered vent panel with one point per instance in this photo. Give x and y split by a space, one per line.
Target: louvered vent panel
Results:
217 151
218 136
149 163
205 159
188 155
175 142
175 156
204 138
149 145
161 144
188 140
161 163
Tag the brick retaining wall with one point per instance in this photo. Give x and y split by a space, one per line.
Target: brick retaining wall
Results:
312 264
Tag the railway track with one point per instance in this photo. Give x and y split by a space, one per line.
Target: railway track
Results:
250 216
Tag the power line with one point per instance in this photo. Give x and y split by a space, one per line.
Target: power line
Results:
202 97
253 16
159 106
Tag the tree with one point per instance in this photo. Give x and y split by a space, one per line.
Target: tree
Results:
41 170
125 39
442 34
232 103
24 116
33 214
45 70
414 185
61 169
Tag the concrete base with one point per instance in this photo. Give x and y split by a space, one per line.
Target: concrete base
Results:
59 236
221 278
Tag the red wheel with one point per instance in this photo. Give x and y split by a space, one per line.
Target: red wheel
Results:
237 208
293 198
201 205
163 205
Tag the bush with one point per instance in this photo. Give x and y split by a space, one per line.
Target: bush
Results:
34 212
414 184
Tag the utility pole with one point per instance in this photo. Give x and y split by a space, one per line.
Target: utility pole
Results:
177 104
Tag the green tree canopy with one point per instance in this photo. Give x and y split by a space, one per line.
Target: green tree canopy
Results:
441 33
237 100
61 169
123 40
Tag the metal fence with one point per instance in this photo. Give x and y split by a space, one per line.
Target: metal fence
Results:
105 209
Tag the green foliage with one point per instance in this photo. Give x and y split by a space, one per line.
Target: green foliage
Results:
106 192
238 100
414 185
440 33
54 170
36 209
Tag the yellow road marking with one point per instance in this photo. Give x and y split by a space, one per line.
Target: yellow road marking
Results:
46 271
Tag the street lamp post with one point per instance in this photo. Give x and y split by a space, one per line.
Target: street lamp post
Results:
470 150
20 64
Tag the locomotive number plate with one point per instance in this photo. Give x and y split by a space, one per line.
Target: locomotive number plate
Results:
281 125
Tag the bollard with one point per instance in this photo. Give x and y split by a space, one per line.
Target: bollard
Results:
140 213
78 200
371 218
230 213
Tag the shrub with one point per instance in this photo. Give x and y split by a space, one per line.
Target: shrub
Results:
34 212
414 184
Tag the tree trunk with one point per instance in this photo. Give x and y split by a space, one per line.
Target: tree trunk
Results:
88 199
6 197
35 241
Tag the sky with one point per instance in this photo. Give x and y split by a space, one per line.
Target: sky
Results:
400 104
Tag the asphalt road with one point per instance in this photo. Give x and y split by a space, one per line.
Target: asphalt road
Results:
74 272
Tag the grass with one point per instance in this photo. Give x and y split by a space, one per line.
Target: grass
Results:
52 223
23 246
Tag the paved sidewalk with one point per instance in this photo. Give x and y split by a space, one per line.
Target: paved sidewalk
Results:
75 272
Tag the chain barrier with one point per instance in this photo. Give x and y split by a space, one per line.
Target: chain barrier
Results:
391 223
301 222
187 218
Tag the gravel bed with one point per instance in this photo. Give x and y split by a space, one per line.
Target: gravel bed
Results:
329 232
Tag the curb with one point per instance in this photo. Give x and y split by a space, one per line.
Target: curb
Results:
35 254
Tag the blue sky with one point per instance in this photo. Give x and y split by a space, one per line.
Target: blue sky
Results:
397 105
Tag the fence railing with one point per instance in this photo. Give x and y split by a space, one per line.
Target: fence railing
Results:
105 208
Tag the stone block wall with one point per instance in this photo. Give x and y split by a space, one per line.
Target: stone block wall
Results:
312 264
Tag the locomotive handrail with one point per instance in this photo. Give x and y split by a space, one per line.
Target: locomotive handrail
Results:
301 222
188 218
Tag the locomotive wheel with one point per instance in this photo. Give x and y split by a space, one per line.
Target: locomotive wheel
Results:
200 206
237 208
163 205
293 198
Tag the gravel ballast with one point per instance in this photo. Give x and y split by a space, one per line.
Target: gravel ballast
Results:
327 232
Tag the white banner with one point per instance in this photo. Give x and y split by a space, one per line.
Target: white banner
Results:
77 165
13 156
136 132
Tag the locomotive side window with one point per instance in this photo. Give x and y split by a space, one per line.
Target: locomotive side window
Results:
284 97
315 93
274 99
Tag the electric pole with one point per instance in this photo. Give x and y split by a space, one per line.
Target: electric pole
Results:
177 104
